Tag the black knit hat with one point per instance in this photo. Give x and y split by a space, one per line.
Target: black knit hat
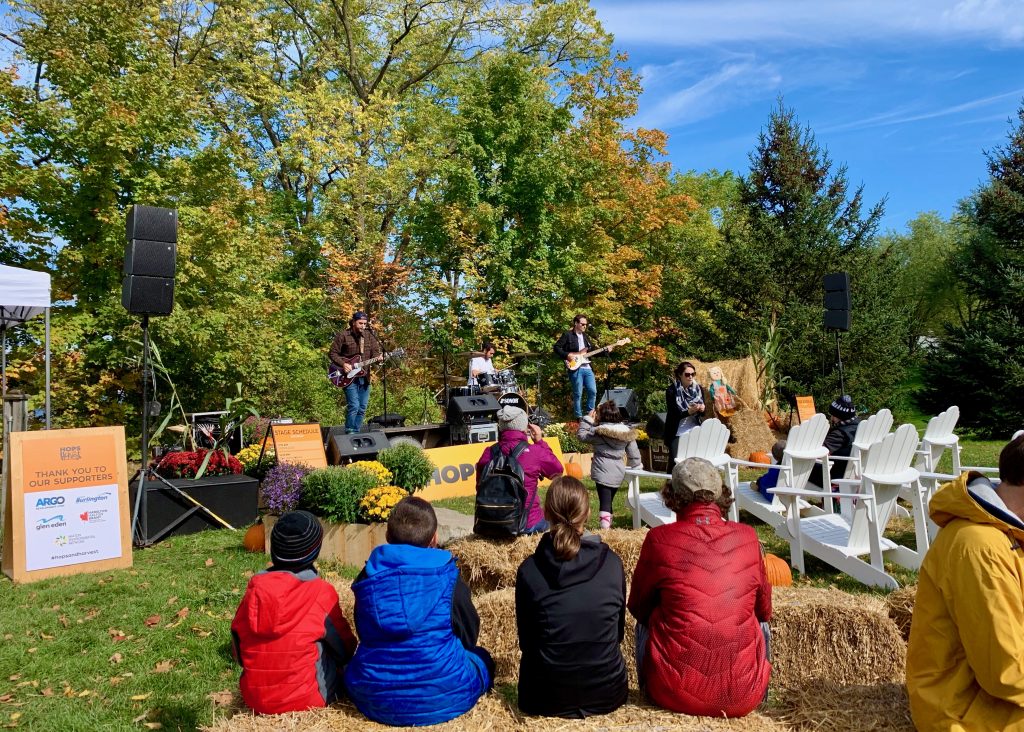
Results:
842 408
295 540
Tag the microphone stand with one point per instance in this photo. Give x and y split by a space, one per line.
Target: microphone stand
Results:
383 370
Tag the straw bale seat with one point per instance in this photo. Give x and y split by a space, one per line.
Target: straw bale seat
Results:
824 706
900 606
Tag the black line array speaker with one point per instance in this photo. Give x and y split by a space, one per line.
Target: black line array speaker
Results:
625 400
342 448
837 301
462 408
149 260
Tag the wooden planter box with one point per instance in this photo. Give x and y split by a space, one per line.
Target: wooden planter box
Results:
232 497
345 543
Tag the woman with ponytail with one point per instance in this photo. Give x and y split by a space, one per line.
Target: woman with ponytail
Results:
571 614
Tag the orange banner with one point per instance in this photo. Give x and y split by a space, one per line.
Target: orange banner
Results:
455 469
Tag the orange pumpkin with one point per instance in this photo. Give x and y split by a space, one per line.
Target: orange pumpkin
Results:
778 571
760 457
574 470
255 538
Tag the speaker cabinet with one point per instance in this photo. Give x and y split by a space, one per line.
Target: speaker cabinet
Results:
463 408
150 258
837 301
151 223
656 425
625 400
341 447
147 295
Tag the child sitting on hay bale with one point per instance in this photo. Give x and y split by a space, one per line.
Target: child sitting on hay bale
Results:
571 614
417 661
289 634
965 661
613 440
702 603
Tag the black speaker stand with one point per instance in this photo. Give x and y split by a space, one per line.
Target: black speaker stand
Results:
140 516
839 363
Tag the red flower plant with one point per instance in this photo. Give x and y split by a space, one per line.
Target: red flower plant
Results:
186 464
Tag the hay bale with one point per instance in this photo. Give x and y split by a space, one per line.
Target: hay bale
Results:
828 634
740 374
627 544
498 633
825 706
900 606
489 564
750 433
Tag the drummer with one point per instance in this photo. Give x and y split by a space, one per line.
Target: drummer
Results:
482 364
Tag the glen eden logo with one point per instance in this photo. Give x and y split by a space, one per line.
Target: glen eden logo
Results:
58 517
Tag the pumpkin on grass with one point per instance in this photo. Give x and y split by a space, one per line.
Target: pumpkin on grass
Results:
574 470
760 457
255 538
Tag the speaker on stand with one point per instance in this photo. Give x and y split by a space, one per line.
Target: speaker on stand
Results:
837 312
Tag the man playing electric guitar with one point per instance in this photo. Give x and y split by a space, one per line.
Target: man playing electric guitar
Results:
355 345
570 347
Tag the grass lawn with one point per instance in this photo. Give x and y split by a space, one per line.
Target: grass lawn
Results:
148 647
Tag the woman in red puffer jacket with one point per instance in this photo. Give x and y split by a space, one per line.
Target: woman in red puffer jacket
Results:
702 603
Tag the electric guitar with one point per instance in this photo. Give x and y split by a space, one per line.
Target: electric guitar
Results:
576 360
359 368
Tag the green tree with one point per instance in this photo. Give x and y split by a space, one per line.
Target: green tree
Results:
979 364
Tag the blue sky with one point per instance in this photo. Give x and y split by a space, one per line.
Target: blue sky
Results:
908 93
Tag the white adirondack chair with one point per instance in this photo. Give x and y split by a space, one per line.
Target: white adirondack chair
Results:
803 449
869 431
937 438
842 543
707 441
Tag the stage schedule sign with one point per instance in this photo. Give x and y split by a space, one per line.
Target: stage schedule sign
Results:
455 469
299 444
804 408
68 510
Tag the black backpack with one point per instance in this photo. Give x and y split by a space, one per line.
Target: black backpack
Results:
501 509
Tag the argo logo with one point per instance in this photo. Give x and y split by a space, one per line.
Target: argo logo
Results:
50 501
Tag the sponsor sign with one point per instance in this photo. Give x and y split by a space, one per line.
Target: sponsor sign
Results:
455 469
67 510
300 444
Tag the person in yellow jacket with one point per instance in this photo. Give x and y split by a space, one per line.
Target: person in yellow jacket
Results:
965 661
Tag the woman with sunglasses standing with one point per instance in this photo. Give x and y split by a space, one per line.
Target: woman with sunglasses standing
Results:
687 405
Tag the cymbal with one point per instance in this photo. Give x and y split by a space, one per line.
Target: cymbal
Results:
469 354
458 379
525 354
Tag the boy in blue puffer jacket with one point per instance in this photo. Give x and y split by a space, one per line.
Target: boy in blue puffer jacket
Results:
417 661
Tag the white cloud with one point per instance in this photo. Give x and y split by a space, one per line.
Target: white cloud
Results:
689 23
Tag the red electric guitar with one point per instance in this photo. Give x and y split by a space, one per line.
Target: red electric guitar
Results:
359 368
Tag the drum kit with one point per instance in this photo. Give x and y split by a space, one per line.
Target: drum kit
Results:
503 384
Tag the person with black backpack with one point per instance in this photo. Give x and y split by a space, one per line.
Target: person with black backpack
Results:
507 475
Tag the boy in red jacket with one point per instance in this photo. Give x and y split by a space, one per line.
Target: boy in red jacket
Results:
289 633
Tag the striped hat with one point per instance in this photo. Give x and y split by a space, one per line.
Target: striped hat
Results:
295 540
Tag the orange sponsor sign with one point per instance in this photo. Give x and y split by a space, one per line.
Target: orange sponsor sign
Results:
67 503
299 444
805 408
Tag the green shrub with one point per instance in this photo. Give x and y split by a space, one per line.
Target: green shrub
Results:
567 439
410 467
334 493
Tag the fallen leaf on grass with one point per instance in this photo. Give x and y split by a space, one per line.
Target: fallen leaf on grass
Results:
44 636
16 716
46 692
116 634
6 698
32 650
201 632
64 620
172 600
140 697
209 562
221 698
13 677
154 725
183 613
116 658
85 693
152 620
163 667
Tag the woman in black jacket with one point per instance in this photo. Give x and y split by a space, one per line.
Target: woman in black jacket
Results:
571 613
687 405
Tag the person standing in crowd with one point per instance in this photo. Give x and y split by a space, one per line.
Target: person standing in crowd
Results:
288 633
965 659
575 342
355 344
687 405
843 419
537 460
483 364
613 440
702 603
571 614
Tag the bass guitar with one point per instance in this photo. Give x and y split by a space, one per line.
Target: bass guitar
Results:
358 368
576 360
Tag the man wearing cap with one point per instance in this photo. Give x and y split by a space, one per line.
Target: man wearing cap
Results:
289 634
702 602
355 343
843 421
537 461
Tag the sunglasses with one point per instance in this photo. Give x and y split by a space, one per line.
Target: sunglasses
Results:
691 374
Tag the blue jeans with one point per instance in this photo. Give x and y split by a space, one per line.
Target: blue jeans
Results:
538 528
582 378
357 394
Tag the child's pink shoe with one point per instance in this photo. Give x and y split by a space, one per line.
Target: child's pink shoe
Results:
606 520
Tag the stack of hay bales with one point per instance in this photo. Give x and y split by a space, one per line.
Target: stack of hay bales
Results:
749 430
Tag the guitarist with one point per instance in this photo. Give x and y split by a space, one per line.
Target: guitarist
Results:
354 344
574 343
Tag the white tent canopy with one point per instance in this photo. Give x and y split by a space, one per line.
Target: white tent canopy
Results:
24 294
